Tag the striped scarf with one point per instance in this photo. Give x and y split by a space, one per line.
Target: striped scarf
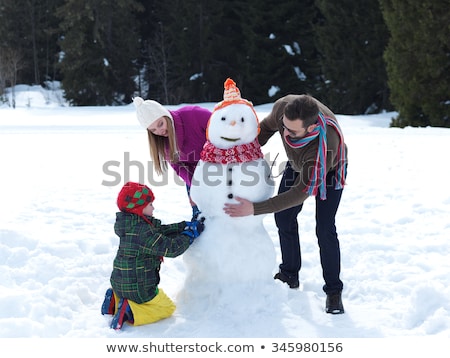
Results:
238 154
318 178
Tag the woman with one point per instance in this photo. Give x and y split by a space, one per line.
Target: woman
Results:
175 137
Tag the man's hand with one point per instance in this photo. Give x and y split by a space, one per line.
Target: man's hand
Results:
244 208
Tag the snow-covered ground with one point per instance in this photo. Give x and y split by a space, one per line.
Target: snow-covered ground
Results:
61 170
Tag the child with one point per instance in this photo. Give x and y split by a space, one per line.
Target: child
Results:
144 241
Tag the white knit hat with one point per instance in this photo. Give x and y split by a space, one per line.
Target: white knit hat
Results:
149 111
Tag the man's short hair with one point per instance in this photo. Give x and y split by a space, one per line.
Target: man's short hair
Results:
304 108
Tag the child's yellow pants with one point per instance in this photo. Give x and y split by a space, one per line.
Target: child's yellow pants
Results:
160 307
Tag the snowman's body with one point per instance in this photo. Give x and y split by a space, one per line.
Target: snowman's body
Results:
231 251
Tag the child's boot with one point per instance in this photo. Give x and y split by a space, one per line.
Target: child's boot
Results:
123 314
109 303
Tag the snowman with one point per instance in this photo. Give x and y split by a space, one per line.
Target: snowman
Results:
233 254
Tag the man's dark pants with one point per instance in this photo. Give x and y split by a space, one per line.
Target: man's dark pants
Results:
286 221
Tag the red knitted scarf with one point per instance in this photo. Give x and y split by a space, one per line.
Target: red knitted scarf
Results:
237 154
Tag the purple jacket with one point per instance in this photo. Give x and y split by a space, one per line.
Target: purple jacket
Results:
190 129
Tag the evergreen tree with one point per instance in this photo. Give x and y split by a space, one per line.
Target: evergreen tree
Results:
265 46
29 30
153 60
192 30
224 44
172 49
191 47
99 51
198 44
229 48
352 37
418 61
275 60
289 62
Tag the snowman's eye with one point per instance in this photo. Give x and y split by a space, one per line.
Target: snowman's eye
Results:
223 118
242 119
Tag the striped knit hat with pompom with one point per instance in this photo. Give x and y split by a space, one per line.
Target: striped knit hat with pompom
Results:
231 95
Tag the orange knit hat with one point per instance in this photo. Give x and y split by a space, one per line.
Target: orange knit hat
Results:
231 95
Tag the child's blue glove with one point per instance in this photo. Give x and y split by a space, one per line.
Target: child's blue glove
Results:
193 229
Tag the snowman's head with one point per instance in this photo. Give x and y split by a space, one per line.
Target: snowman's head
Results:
233 121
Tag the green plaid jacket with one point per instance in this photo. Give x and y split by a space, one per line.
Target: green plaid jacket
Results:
135 274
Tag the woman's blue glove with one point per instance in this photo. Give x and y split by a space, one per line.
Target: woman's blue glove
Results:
193 229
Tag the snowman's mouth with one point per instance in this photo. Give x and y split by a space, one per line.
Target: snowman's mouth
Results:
230 139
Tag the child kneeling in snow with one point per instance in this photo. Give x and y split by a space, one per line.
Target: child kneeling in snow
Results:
135 297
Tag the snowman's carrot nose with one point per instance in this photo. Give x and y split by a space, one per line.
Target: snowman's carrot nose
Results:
233 122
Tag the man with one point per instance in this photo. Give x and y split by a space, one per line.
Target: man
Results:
317 167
